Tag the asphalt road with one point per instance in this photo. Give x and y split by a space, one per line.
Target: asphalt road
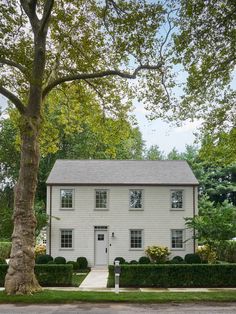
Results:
113 308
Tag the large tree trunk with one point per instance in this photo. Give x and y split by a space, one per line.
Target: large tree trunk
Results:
20 278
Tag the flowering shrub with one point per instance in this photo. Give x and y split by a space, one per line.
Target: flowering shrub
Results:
157 254
207 254
40 249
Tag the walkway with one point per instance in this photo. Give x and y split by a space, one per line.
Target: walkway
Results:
96 279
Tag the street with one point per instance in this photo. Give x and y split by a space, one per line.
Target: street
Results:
113 308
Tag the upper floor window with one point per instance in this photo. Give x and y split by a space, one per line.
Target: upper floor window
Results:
176 199
177 239
136 239
66 198
66 238
101 199
136 199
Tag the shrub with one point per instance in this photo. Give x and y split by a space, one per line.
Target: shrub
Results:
133 262
120 259
177 260
157 254
184 275
2 261
54 275
207 254
144 260
5 249
40 249
3 272
226 251
192 259
47 275
82 261
43 259
59 260
51 262
74 264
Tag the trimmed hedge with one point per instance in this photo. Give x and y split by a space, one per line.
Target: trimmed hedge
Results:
48 275
3 272
169 275
5 249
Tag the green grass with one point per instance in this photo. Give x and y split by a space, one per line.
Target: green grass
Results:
52 296
77 279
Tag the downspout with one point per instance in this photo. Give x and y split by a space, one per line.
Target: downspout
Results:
50 221
194 213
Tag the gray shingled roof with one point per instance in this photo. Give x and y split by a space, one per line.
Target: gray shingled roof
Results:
133 172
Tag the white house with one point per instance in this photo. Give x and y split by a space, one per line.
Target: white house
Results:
111 208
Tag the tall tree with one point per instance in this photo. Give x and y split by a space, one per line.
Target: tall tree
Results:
46 44
154 153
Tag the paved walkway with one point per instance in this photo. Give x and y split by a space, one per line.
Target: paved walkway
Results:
96 279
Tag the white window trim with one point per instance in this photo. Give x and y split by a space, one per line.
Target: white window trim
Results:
183 240
73 199
108 197
183 200
64 248
137 209
142 233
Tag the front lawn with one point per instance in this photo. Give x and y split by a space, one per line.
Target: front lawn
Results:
52 296
77 279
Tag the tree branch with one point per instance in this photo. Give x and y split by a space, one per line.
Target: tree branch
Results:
14 64
14 99
29 7
86 76
46 14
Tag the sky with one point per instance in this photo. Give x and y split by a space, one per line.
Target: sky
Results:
164 135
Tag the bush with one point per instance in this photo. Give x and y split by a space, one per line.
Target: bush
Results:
120 259
144 260
51 262
192 259
133 262
207 254
226 251
3 272
47 275
5 249
43 259
184 275
59 260
177 260
82 261
74 264
2 261
54 275
40 249
157 254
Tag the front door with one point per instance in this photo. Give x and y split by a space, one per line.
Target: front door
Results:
101 247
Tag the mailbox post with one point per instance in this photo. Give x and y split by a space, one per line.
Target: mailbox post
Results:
117 276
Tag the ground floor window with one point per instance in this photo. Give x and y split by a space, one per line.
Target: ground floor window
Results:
66 238
136 239
177 239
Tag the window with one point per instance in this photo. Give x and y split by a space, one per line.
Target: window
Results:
177 239
67 198
136 239
66 239
177 199
135 199
101 199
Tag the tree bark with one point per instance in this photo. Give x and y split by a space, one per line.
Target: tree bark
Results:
20 278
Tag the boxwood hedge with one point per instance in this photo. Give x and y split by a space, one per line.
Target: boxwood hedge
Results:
181 275
48 275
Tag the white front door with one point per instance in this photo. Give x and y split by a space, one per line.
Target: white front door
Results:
101 248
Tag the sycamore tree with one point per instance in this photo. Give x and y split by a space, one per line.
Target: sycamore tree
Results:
100 45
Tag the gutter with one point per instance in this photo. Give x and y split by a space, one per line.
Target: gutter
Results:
194 214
